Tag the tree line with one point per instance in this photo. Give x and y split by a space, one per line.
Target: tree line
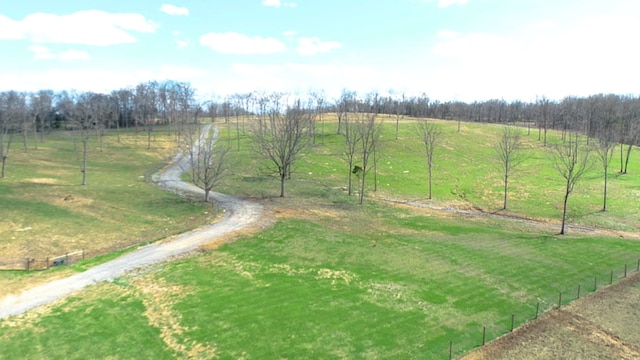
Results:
282 125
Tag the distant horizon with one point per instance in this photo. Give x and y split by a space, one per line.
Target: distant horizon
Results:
330 101
450 50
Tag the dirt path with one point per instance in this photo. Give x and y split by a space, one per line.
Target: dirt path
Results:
511 217
239 214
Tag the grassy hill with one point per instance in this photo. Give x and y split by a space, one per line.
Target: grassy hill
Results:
334 279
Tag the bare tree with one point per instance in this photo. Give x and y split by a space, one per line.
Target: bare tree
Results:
632 138
544 106
571 160
145 107
41 106
605 150
429 135
281 137
320 100
352 139
509 153
630 130
398 106
207 156
344 106
124 99
82 117
369 133
212 109
9 110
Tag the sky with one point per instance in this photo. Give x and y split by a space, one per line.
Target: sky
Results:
450 50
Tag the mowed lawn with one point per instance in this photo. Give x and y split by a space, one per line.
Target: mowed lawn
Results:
332 279
320 289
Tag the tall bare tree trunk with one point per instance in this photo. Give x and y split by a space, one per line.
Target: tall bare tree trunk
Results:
4 164
564 210
85 155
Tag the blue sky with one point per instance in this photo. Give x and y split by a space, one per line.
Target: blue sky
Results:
449 49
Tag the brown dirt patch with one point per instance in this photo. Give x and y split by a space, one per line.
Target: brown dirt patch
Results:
601 325
265 221
42 181
159 297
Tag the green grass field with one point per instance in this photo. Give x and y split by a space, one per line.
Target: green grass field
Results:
47 212
308 289
335 280
465 172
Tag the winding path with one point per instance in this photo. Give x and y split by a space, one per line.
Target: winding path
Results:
238 214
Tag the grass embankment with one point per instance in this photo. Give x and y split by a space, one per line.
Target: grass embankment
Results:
332 279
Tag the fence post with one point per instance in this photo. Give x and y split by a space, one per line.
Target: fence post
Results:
513 316
611 280
625 270
537 309
47 263
559 300
579 291
484 334
450 349
595 283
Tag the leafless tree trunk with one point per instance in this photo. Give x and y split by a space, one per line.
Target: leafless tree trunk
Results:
145 107
605 150
6 135
82 116
280 138
429 135
571 160
509 155
369 132
544 106
320 99
12 111
399 109
343 107
207 156
352 139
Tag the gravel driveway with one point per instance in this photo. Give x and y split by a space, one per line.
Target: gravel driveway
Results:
238 214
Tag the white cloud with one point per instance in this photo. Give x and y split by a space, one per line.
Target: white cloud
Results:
300 78
465 46
174 10
234 43
278 3
271 3
290 33
74 55
10 29
103 81
43 53
541 58
90 27
313 46
447 3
